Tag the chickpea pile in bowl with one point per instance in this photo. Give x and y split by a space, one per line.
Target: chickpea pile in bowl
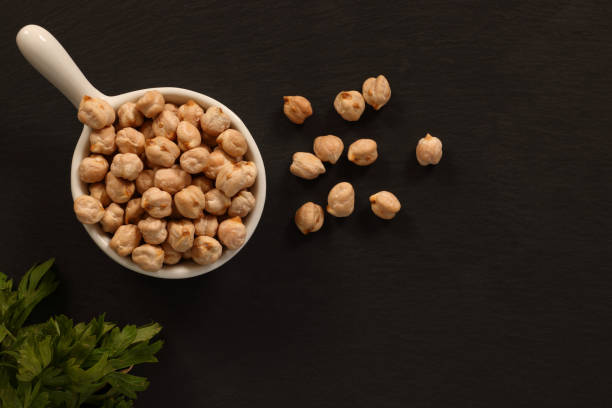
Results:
168 183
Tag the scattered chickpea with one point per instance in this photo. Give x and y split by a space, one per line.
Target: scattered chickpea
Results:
206 250
214 121
206 225
118 189
242 204
127 166
98 191
180 234
171 256
147 129
153 230
309 218
157 203
232 233
363 152
190 112
194 161
95 113
235 177
204 183
88 210
148 257
165 124
112 219
341 200
151 103
188 136
217 203
171 107
328 148
129 115
171 180
385 204
232 142
144 181
129 140
429 150
190 202
125 239
216 161
350 105
306 166
376 91
134 211
297 108
93 169
102 141
161 151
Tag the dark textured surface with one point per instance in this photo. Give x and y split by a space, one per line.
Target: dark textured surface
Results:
491 288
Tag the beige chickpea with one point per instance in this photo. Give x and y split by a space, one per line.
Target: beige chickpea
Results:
129 140
112 219
95 113
341 200
98 191
363 152
171 180
217 203
297 108
171 256
180 234
145 180
134 211
242 204
385 204
186 254
102 141
350 105
171 107
429 150
206 225
125 239
206 250
161 151
153 230
306 166
232 142
151 103
188 136
194 161
209 140
214 121
204 183
309 218
216 161
127 166
148 257
129 115
190 112
232 232
157 203
165 125
328 148
88 210
147 129
235 177
376 91
118 189
190 202
93 168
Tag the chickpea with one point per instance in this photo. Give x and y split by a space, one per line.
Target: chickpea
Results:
216 161
180 234
429 150
297 108
206 225
214 121
156 202
129 140
187 254
151 103
363 152
328 148
125 239
134 211
385 204
232 142
309 218
350 105
235 177
93 168
209 140
194 161
376 91
161 151
206 250
112 219
190 112
88 210
188 136
190 202
204 183
148 257
171 257
153 230
165 125
232 233
306 166
144 181
172 108
95 113
171 180
119 190
129 115
341 200
217 202
102 141
242 204
98 191
126 165
147 129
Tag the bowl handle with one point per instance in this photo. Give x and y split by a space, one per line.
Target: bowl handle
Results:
49 58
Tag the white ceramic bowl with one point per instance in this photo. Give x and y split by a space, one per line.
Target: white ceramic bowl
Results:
45 54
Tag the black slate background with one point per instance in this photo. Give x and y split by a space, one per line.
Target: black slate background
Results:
493 285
